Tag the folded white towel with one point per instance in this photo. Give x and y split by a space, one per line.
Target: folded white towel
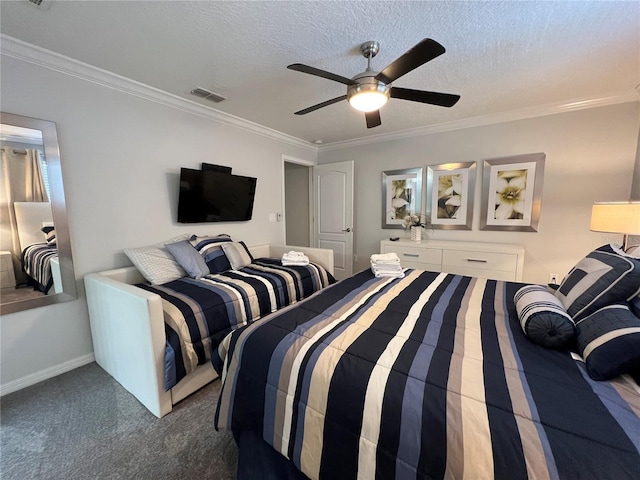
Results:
394 275
287 257
384 258
386 268
293 253
287 263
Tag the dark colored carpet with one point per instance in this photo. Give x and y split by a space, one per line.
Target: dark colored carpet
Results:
84 425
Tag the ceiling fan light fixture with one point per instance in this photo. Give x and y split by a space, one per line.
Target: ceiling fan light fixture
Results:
368 97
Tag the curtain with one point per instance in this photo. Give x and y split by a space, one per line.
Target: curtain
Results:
22 182
7 213
33 181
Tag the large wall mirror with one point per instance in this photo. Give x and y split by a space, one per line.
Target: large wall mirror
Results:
36 268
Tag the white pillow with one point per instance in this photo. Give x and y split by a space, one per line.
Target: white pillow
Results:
155 263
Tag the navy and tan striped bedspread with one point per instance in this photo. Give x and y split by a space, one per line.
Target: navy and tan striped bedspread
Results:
36 262
429 377
198 314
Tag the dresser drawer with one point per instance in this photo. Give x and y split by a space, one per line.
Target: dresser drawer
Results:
416 254
468 259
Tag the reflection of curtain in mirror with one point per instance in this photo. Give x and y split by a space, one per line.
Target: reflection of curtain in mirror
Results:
7 213
23 182
34 188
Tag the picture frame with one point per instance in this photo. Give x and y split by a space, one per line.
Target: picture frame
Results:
450 195
512 193
401 195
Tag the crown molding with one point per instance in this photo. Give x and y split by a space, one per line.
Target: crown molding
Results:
14 48
484 120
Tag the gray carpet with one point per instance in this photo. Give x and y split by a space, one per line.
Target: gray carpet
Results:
84 425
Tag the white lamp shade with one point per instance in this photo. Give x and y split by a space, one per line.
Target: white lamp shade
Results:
616 217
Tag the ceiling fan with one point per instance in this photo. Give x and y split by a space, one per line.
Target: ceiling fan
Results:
370 90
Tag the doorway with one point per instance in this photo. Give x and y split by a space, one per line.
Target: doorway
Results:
297 201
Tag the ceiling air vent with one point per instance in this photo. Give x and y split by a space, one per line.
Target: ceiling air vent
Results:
206 95
42 4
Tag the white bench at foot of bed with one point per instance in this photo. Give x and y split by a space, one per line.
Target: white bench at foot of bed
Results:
127 326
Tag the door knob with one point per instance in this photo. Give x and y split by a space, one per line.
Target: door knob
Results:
347 230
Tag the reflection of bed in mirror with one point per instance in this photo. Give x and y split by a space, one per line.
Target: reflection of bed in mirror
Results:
39 257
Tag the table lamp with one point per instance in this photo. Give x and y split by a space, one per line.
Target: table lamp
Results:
616 217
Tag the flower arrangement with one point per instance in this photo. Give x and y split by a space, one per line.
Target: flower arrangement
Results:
415 220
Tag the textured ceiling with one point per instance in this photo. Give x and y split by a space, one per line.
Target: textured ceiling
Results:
501 56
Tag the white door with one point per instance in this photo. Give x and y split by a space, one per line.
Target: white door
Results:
333 202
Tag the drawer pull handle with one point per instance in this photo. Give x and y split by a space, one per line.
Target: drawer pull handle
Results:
478 260
411 254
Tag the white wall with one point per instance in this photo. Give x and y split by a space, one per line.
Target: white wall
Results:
590 157
635 186
121 156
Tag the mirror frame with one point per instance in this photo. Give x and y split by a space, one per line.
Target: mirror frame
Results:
58 210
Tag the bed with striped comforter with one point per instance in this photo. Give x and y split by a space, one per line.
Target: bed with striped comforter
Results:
198 314
429 377
36 263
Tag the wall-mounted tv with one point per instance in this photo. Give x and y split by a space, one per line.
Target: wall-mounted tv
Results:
213 196
215 168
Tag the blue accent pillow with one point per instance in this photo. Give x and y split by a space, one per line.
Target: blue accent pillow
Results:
543 318
211 250
609 342
603 277
188 258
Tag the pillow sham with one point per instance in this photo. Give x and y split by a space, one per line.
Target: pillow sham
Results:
603 277
211 250
49 234
609 342
543 318
189 259
238 254
155 263
634 304
51 237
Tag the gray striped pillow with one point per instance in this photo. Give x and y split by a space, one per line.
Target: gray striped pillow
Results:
543 318
609 342
237 253
155 263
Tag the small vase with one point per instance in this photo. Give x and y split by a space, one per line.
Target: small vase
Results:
416 234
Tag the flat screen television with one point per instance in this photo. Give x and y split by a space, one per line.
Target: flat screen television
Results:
215 168
214 196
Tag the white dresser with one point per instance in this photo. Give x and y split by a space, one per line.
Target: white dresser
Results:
497 261
7 277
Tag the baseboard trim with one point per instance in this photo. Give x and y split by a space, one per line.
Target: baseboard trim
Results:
45 374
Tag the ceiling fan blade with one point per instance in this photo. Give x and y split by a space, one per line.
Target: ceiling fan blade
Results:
420 54
320 105
434 98
299 67
373 118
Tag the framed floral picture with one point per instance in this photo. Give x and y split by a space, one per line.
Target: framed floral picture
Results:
450 192
512 193
401 195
